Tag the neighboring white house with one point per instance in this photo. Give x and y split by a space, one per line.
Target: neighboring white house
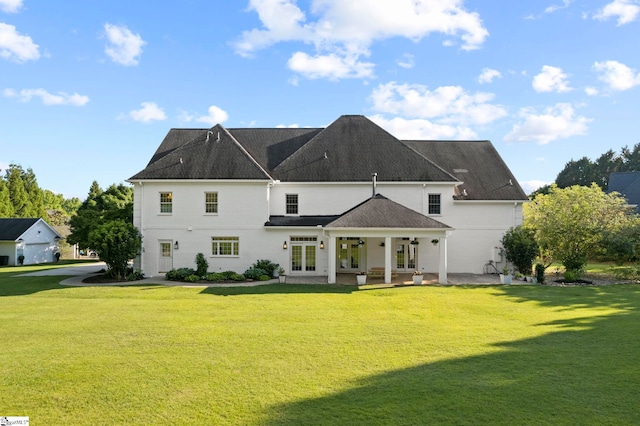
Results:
323 201
34 239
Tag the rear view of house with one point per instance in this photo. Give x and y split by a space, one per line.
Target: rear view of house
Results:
323 201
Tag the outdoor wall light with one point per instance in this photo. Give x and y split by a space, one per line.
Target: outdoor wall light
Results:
284 245
176 246
321 245
360 242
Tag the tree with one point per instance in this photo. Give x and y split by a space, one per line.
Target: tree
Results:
116 242
581 172
569 223
520 248
6 206
116 203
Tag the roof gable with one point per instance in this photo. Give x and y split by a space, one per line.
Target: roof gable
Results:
380 212
477 164
214 154
350 150
13 228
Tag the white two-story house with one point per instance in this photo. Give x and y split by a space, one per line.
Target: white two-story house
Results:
323 201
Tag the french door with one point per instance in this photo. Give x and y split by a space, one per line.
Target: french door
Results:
303 254
350 254
406 254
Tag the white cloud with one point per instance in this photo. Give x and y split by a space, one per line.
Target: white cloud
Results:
332 66
345 30
215 116
488 75
553 123
123 46
554 7
60 98
419 128
288 126
625 10
531 185
591 91
407 61
16 47
10 6
447 104
616 75
551 79
148 113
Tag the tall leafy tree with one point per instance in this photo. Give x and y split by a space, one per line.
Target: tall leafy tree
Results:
116 241
570 223
116 203
580 172
6 206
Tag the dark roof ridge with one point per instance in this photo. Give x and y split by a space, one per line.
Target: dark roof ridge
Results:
244 150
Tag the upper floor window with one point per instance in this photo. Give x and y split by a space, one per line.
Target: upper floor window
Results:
225 246
292 203
166 202
211 202
434 204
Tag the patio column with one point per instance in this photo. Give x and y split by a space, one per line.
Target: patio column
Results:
331 252
387 260
442 269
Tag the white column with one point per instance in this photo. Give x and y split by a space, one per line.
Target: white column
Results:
331 270
387 260
442 269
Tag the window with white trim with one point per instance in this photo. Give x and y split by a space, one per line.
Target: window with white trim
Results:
292 203
434 204
211 202
166 202
225 246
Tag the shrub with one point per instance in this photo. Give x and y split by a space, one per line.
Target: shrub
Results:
116 241
540 273
264 277
179 274
571 275
520 248
254 273
192 278
216 277
201 265
627 273
268 266
228 275
237 277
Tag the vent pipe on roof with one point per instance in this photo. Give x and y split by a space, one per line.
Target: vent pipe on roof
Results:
374 178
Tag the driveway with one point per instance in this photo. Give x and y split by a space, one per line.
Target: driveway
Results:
83 269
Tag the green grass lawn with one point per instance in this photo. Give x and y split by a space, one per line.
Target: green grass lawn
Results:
302 354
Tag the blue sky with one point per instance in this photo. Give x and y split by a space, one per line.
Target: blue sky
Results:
89 89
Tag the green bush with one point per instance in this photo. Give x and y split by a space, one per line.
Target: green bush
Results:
228 275
540 273
179 274
192 278
216 277
627 273
254 273
520 248
237 277
571 275
264 277
201 265
266 265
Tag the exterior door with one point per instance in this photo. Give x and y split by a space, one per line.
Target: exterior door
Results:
165 253
303 255
406 254
349 255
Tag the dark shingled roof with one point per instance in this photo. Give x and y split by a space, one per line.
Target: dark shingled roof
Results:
11 229
475 163
348 150
214 154
299 220
627 184
352 148
380 212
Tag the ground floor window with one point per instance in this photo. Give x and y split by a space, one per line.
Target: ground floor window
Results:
225 246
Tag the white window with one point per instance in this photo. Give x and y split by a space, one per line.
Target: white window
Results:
434 204
166 202
225 246
292 203
211 202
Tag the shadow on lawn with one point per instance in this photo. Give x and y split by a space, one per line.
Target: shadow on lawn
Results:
280 289
585 374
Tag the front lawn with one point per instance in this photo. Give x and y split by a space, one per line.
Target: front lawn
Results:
302 354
